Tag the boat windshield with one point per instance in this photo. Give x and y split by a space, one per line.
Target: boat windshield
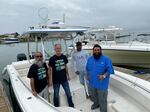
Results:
45 40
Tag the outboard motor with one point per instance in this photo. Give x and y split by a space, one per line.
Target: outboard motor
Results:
31 56
21 57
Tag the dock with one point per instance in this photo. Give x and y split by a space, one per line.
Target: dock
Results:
4 102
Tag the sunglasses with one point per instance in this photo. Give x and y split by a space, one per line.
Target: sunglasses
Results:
39 56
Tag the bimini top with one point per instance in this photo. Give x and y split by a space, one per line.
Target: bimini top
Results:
54 33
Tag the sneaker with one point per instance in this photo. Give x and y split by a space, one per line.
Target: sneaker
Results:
94 106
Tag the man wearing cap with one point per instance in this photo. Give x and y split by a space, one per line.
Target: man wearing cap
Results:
79 60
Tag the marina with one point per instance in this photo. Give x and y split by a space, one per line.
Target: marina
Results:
74 56
123 92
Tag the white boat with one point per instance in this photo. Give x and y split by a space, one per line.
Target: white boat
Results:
123 54
122 49
126 93
9 40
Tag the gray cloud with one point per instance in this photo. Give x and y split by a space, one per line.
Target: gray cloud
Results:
18 15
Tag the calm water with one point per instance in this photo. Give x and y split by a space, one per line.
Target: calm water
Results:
8 53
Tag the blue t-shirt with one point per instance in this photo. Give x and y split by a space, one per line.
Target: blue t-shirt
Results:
99 67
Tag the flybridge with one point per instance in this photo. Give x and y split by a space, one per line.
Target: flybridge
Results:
55 32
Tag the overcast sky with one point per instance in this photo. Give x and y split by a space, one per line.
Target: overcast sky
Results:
18 15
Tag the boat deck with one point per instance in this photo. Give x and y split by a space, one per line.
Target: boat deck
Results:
126 93
4 104
117 102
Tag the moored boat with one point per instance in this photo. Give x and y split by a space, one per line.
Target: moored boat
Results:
124 48
126 93
9 40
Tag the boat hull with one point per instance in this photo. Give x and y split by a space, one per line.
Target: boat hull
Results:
129 57
9 42
125 91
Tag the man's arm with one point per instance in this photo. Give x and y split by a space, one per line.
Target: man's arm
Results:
33 86
73 60
67 73
87 77
109 70
49 76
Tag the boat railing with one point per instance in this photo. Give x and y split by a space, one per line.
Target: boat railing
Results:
124 38
19 77
134 83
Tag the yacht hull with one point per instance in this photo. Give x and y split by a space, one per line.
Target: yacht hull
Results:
127 57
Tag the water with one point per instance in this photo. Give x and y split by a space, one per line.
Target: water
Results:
8 53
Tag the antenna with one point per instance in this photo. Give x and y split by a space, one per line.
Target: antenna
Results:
43 16
64 18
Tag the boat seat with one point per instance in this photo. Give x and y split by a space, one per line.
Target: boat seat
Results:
126 99
23 72
122 105
22 67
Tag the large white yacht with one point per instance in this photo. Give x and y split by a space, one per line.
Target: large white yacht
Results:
126 93
124 48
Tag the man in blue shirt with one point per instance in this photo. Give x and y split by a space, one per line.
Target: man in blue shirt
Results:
99 67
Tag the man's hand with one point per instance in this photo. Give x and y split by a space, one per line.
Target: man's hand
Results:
87 77
101 77
77 72
68 77
49 90
34 93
